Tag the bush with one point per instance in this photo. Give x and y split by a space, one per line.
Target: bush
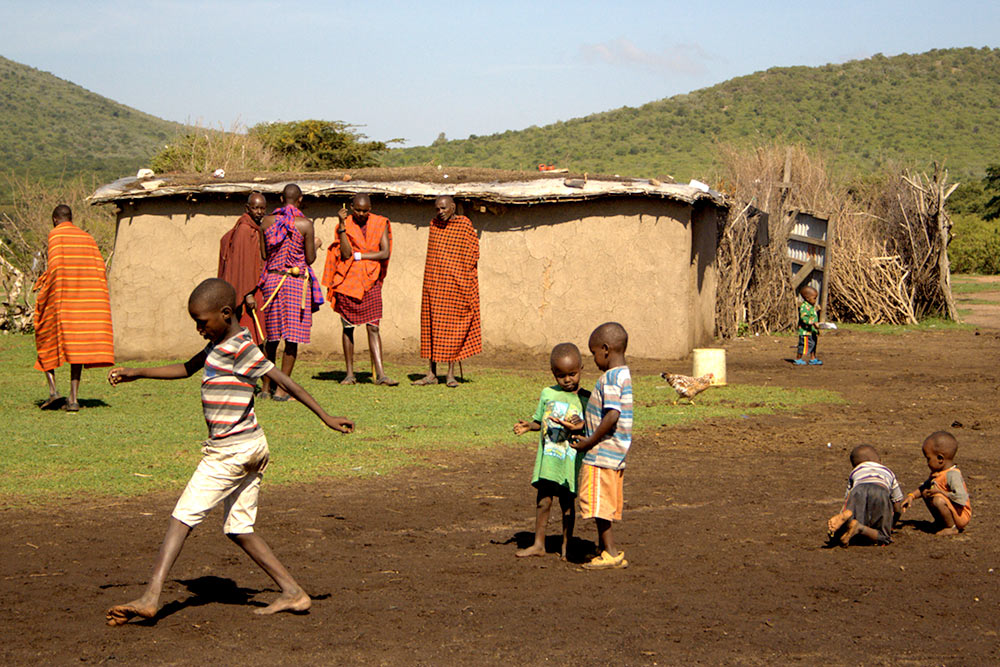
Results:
320 144
307 145
975 245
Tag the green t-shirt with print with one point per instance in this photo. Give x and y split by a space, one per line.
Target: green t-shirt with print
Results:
556 461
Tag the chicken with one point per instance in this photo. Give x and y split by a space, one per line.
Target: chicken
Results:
687 386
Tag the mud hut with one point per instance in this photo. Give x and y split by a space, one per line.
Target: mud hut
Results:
559 254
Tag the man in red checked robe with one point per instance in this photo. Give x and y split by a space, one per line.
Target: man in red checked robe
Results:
241 261
449 307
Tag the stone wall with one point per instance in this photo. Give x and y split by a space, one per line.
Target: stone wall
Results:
548 273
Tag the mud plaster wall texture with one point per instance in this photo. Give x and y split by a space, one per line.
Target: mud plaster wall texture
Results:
547 273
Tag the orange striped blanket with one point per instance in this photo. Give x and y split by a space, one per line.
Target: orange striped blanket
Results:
72 310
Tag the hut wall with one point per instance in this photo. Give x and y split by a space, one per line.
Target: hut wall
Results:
548 273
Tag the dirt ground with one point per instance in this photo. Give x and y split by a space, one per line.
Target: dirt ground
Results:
724 530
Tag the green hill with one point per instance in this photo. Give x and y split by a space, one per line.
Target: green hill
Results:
943 105
50 127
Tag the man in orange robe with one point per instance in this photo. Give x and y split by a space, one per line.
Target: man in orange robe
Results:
449 308
241 261
356 264
72 309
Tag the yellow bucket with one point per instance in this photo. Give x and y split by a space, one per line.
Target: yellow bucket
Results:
710 360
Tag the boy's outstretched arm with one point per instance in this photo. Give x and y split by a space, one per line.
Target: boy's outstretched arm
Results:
305 398
523 426
169 372
607 425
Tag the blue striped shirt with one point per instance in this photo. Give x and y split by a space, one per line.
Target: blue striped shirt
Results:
613 391
869 472
231 371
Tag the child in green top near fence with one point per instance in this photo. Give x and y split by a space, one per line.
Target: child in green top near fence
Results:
808 331
556 463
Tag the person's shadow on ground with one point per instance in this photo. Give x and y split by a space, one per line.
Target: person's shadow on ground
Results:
580 551
923 525
84 403
364 377
211 590
413 377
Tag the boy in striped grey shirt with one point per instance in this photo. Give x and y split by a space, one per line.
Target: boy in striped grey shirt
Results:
608 418
872 503
235 454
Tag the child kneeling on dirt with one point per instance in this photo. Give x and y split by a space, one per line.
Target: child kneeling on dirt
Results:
944 492
235 454
872 503
608 418
808 331
556 463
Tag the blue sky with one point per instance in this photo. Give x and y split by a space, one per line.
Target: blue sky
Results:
414 69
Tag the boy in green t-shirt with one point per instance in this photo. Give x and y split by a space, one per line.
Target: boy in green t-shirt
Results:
556 463
808 331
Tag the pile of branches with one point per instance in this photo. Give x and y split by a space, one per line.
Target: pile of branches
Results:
889 253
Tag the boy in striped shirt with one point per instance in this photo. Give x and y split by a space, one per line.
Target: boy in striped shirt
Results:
235 454
608 418
872 503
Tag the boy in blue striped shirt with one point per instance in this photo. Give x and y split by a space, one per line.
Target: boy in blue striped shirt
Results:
608 435
234 456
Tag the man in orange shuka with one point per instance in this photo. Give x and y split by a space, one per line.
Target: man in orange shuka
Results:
356 264
72 309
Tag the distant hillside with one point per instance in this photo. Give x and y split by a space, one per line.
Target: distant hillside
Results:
943 105
50 127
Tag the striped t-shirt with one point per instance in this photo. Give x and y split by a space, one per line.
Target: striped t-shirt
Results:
869 472
231 371
612 392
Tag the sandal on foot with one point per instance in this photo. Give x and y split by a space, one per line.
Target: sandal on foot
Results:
607 562
53 402
386 381
815 362
72 407
349 380
281 399
451 383
799 362
424 381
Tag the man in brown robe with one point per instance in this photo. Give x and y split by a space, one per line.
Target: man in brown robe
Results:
241 261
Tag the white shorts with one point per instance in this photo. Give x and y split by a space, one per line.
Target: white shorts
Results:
229 474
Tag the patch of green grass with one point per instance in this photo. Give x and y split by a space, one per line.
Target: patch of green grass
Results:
929 324
978 302
959 286
145 436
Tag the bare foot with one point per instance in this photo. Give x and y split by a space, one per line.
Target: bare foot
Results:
853 527
121 614
533 550
837 521
948 531
297 601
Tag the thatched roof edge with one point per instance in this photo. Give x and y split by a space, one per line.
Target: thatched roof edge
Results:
535 191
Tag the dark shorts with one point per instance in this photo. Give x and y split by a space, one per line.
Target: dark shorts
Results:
872 506
813 338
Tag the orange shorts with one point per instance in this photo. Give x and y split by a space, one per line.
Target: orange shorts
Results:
962 514
600 493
